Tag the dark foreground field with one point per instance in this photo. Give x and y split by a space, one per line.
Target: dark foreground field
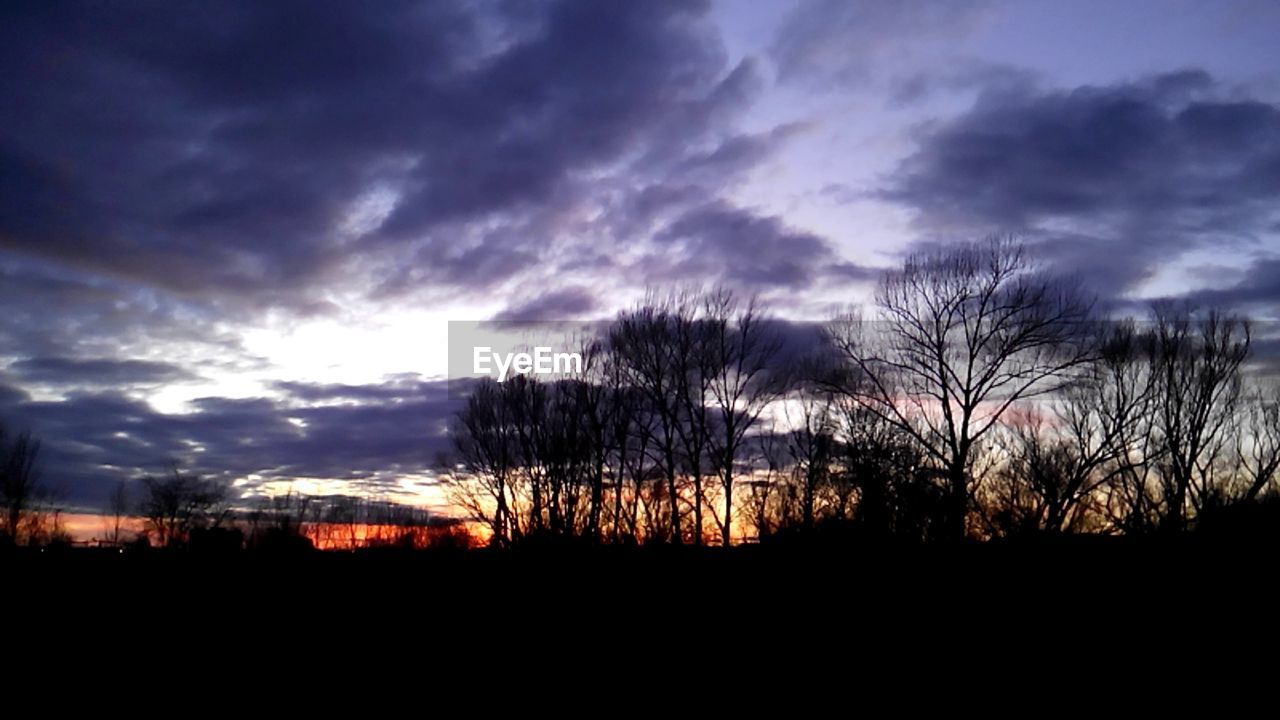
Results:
1070 577
1049 617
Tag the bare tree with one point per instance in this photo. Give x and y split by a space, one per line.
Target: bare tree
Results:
627 448
345 517
284 521
962 334
1089 434
692 362
1197 365
481 478
530 458
1123 391
1260 446
763 487
118 509
741 348
176 504
643 340
596 399
21 488
896 492
811 447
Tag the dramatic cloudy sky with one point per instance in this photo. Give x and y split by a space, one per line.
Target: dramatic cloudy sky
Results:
232 233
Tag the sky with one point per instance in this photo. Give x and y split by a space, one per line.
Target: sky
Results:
232 234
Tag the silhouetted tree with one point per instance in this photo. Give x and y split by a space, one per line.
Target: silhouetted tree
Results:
1197 368
741 348
644 341
1124 390
765 486
1259 446
982 389
118 509
21 488
178 503
896 488
481 478
281 523
962 334
1059 454
530 458
344 520
811 446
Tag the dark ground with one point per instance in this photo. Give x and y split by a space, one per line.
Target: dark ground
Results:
1084 615
1084 574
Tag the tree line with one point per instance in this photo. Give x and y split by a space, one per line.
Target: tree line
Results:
980 397
186 510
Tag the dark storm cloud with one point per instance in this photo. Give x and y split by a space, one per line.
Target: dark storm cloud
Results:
170 172
91 440
563 304
1120 178
101 371
746 249
11 395
54 312
960 76
831 42
1258 285
1266 355
798 342
736 155
389 391
240 156
219 149
583 92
